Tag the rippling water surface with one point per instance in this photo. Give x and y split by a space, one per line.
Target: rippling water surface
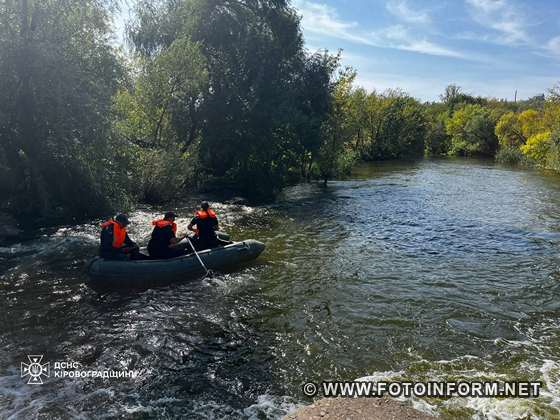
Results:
436 270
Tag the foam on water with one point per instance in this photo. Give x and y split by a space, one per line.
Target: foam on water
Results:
480 408
270 407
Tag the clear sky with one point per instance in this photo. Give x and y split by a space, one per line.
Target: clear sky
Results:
488 47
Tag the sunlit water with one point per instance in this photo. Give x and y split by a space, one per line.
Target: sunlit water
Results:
437 270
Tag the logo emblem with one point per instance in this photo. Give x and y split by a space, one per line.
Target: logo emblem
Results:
35 370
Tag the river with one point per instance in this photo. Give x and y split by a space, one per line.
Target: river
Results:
432 270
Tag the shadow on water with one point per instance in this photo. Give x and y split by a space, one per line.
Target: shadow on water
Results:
430 270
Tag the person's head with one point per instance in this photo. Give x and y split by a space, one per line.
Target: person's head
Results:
169 216
122 220
204 205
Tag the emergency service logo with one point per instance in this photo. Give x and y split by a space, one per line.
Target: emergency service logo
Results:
35 369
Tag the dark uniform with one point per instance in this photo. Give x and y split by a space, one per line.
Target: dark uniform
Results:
115 242
162 235
206 226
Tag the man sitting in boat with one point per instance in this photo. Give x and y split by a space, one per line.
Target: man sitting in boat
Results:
164 243
115 242
206 223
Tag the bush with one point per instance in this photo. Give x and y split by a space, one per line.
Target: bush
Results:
472 131
160 175
537 147
511 155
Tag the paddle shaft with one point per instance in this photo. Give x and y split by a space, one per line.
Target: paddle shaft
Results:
196 253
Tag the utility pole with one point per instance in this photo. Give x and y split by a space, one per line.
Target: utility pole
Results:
515 97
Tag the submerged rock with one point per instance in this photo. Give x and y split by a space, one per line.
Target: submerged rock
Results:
357 408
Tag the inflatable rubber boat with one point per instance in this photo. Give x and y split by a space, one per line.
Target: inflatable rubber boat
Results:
106 275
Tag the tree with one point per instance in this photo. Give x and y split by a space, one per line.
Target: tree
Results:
335 154
437 141
453 97
261 115
509 131
472 131
396 127
58 73
531 122
537 147
312 108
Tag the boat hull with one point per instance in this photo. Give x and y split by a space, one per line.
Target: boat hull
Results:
106 275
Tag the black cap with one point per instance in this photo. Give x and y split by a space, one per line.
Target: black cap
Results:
122 218
169 215
204 205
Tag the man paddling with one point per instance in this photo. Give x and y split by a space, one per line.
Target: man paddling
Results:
164 243
206 223
115 242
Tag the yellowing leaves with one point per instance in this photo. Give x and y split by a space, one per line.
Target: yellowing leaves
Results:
537 146
532 132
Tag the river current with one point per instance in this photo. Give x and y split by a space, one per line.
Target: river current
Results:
431 270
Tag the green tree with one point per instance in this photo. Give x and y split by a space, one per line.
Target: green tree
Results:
58 73
335 154
471 129
260 116
158 118
437 140
453 97
509 131
397 127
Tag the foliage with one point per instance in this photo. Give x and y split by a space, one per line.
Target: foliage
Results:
471 129
510 155
262 112
58 73
531 133
437 141
509 131
212 90
453 97
333 157
537 147
392 126
531 122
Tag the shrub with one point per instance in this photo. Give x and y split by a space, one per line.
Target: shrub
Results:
537 147
511 155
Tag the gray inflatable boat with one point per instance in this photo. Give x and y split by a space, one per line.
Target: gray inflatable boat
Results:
106 275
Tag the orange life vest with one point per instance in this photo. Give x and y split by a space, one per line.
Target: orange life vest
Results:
201 214
119 233
163 223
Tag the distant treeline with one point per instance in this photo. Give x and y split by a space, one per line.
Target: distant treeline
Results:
212 92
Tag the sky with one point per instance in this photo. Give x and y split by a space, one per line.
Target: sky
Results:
487 47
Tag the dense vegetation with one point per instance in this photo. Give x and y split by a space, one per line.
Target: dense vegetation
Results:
211 93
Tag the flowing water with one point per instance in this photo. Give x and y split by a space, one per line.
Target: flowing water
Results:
435 270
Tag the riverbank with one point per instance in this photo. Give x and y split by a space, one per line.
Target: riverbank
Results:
357 409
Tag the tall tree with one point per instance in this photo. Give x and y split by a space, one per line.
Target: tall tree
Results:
58 73
250 115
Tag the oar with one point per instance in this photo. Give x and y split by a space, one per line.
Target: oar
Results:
197 256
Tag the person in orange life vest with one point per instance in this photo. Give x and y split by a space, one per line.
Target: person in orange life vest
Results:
206 223
115 242
164 243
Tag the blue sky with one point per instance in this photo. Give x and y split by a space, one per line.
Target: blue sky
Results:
488 47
